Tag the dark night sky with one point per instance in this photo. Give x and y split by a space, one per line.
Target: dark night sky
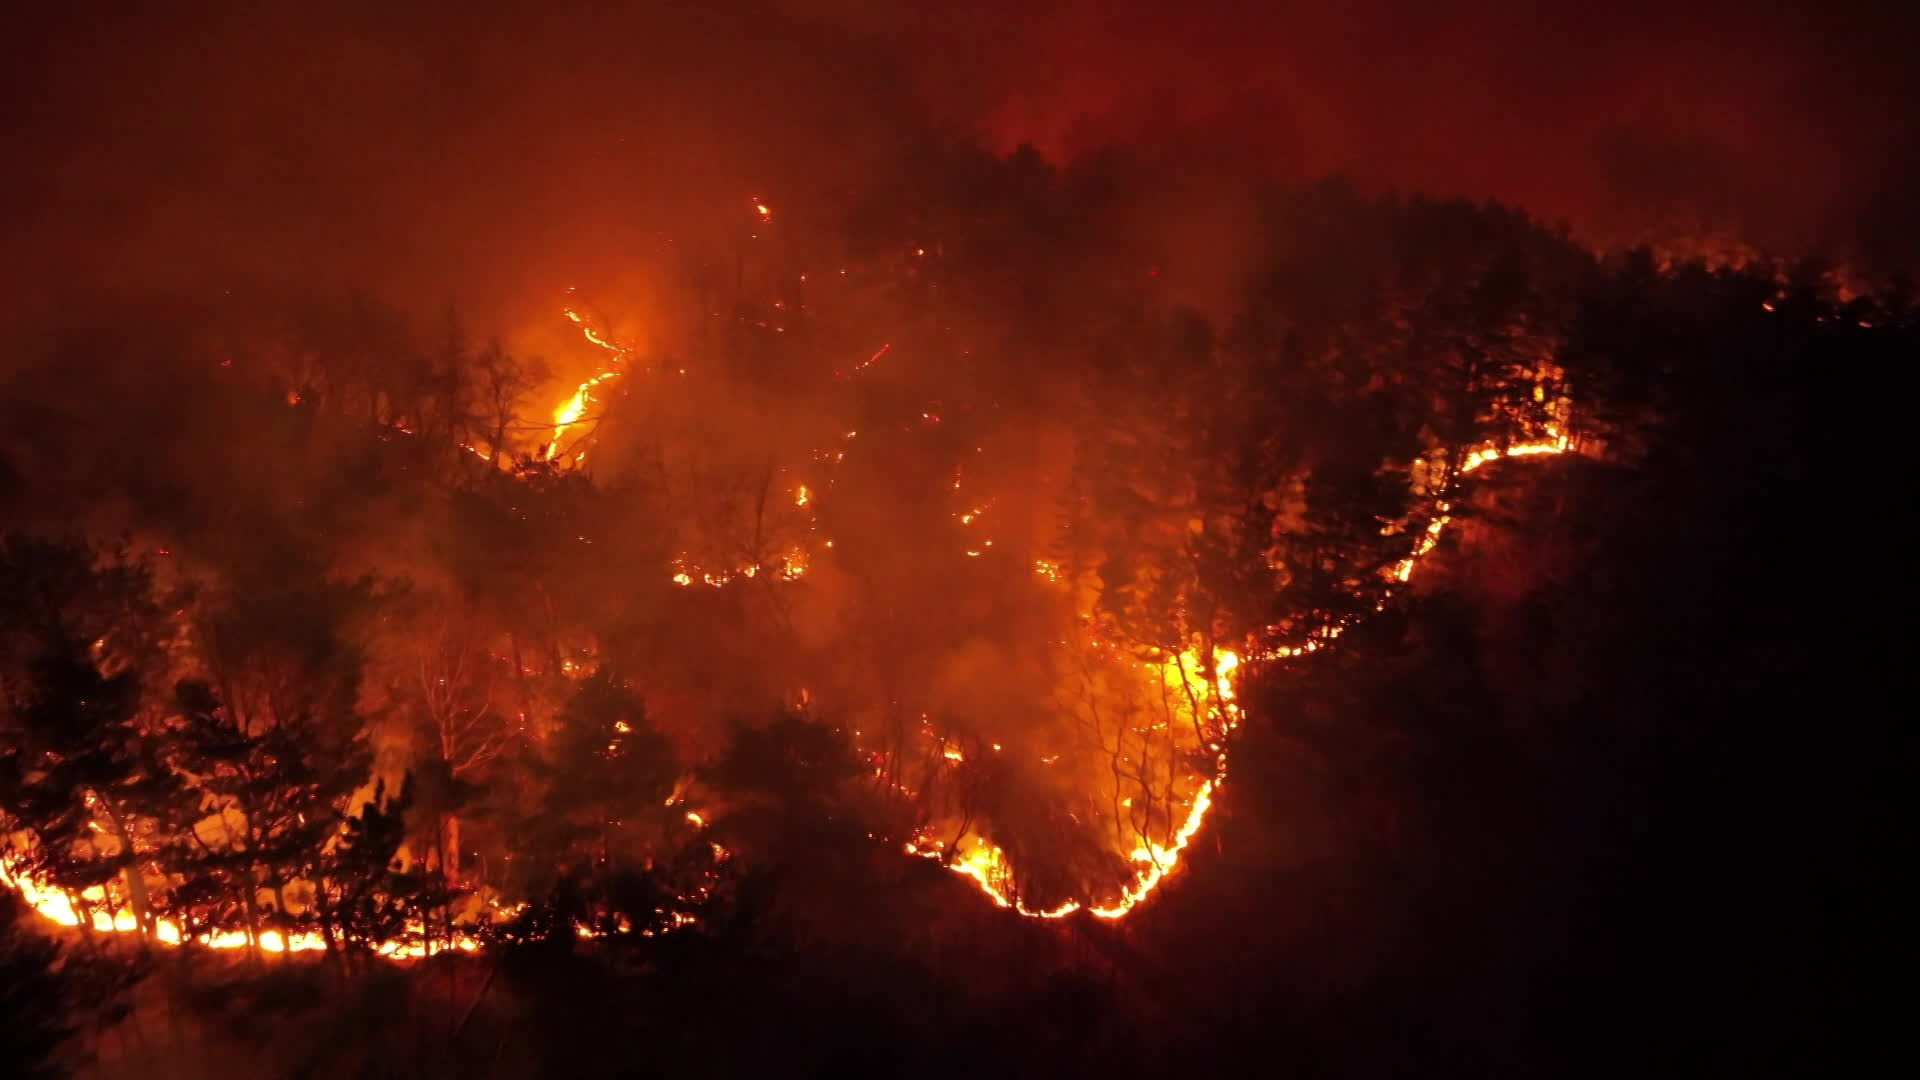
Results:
493 152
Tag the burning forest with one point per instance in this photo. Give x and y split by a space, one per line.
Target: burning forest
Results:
1090 609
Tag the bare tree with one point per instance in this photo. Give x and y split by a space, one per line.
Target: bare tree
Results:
504 381
454 678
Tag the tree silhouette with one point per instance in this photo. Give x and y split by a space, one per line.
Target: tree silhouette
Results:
36 994
79 771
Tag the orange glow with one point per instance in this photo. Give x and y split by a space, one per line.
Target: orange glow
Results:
986 864
1150 862
55 906
570 411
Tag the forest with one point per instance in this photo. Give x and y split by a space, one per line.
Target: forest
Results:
377 690
911 605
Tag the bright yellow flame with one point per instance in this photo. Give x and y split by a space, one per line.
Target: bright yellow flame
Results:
987 865
571 410
54 904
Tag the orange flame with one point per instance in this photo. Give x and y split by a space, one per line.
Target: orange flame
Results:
58 907
987 866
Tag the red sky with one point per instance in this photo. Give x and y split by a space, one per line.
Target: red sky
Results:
497 149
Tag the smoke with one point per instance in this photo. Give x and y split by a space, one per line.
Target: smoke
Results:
1775 121
257 170
489 155
434 154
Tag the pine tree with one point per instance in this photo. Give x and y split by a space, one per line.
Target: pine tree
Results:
266 802
79 772
35 996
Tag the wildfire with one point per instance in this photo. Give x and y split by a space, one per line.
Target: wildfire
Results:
986 864
414 943
1555 443
790 566
1150 862
569 412
58 907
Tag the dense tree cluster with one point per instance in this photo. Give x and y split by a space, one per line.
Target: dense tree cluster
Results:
866 543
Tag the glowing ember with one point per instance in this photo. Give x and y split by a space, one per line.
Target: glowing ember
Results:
58 907
987 866
414 943
570 411
1150 861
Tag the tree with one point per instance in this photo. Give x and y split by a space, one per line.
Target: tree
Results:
267 800
363 898
610 772
503 383
75 768
79 771
788 785
452 681
35 996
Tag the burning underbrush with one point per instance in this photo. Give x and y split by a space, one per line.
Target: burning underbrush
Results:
409 649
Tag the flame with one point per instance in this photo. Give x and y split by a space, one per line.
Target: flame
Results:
790 566
56 906
986 864
415 942
863 365
1556 442
569 412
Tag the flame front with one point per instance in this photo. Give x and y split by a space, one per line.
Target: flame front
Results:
569 412
1150 862
58 907
986 865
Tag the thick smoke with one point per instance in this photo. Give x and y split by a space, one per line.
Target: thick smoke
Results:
207 209
488 160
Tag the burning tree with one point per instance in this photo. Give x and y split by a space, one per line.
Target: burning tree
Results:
270 798
452 685
81 769
609 774
78 778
